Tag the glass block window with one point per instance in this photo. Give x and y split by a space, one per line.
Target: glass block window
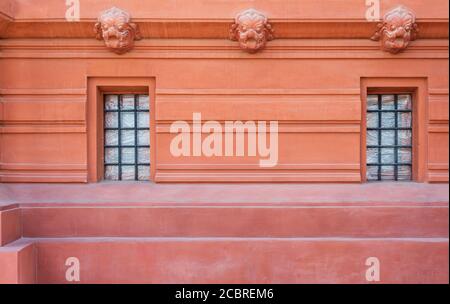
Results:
127 137
389 137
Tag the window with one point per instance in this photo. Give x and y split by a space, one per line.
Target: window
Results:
389 138
127 137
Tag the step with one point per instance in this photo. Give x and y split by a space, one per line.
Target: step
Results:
239 220
236 260
149 210
145 233
18 263
226 194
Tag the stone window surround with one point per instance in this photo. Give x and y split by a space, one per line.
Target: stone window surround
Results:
97 88
418 88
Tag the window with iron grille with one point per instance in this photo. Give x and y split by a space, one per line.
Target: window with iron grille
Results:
127 137
389 137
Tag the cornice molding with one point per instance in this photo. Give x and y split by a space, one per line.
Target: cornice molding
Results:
220 29
219 48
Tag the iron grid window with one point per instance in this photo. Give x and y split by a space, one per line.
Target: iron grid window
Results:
389 137
127 137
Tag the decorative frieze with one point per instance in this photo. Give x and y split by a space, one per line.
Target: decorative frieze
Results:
252 30
397 30
116 30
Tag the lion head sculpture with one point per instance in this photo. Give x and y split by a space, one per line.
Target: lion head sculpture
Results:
116 30
252 30
397 30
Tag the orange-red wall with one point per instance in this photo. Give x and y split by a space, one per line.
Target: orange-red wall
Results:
311 86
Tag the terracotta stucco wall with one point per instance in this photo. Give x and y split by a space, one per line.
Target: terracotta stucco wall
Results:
311 86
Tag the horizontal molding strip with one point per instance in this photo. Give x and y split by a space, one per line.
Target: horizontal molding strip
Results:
42 129
184 166
42 177
42 167
229 54
438 127
438 177
39 92
300 127
255 177
168 20
441 91
438 166
160 28
220 49
209 44
257 92
258 97
51 99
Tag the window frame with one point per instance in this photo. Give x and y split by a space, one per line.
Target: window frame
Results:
418 89
98 87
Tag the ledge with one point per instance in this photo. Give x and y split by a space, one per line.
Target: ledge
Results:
219 28
212 19
218 49
225 194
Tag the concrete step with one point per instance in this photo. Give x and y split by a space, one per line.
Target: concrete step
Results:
145 233
226 260
237 220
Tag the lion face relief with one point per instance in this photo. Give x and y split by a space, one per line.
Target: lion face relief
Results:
252 30
116 30
397 30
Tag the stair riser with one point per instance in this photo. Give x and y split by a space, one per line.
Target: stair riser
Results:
18 264
243 261
10 225
236 222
